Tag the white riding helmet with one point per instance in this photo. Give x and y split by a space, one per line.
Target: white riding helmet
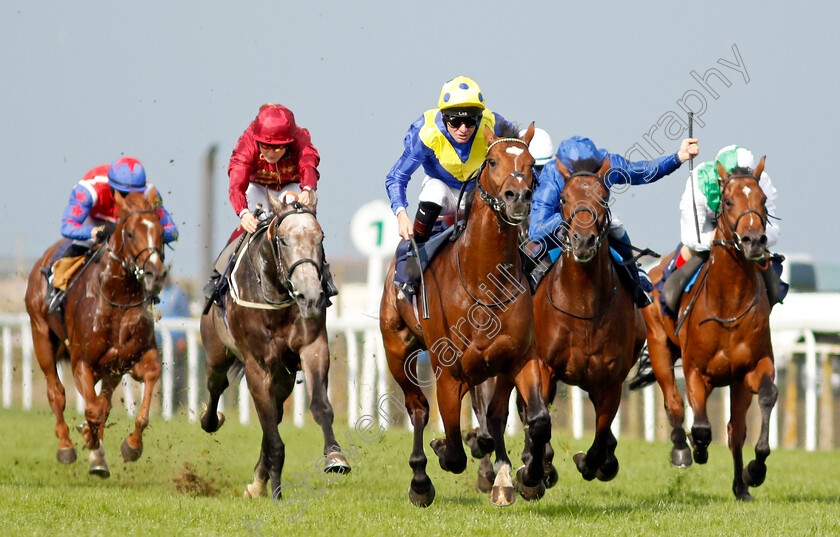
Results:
541 146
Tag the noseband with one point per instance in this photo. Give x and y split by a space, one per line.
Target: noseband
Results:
731 230
492 200
582 207
130 265
286 272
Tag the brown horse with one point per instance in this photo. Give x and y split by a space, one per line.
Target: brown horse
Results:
587 328
105 330
273 322
723 334
471 339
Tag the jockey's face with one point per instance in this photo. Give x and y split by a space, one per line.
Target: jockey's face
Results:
460 134
272 155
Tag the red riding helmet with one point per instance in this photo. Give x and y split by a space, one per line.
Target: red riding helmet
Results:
275 124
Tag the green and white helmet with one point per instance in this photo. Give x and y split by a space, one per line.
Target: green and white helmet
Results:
734 156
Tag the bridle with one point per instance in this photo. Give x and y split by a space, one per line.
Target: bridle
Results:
492 199
284 272
731 230
130 264
583 207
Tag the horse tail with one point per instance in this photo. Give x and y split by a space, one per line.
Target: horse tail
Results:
237 370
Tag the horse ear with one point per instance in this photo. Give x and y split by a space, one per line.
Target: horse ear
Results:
605 167
277 204
721 171
119 199
564 171
153 198
489 135
313 201
760 168
529 134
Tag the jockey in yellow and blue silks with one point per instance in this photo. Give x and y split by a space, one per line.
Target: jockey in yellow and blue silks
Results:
547 219
448 141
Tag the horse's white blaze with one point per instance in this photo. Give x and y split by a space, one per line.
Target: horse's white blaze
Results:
515 150
747 191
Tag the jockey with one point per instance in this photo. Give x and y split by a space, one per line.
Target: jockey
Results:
273 154
547 220
693 253
541 148
91 213
448 141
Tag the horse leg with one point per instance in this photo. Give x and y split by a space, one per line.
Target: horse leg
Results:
98 464
740 397
662 363
502 493
698 392
45 353
315 361
479 440
549 389
450 450
219 360
594 463
146 370
760 381
538 428
261 475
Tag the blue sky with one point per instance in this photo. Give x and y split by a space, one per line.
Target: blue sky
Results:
85 82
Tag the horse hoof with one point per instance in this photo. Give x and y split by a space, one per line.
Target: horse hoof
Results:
681 458
701 455
484 484
744 496
211 425
580 464
502 496
754 474
130 454
607 472
438 445
422 499
253 490
337 463
100 470
529 493
551 477
66 455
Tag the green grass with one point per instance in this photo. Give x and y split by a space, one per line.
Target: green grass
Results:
41 497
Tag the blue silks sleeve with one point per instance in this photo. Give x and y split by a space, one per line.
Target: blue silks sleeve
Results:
77 210
414 154
545 207
623 171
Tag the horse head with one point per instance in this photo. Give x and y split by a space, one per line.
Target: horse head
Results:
506 184
740 197
584 207
297 241
137 241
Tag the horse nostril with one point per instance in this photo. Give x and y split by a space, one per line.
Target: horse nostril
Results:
590 242
509 196
527 196
762 240
746 239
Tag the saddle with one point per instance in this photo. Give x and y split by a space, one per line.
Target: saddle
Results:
408 267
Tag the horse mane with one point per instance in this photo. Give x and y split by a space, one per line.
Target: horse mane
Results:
742 170
590 165
509 130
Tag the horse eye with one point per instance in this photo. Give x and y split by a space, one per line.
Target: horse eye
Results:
728 202
281 240
130 235
491 162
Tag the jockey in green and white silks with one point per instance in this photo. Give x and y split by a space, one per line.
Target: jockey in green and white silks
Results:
707 198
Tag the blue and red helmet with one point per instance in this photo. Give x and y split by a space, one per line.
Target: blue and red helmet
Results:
126 174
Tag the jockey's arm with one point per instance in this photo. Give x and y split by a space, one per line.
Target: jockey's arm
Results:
772 229
705 218
546 219
308 160
623 171
414 154
77 210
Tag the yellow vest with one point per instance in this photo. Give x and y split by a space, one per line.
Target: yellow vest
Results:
448 158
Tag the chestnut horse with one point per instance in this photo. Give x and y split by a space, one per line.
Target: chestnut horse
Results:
723 334
105 329
471 339
587 328
273 322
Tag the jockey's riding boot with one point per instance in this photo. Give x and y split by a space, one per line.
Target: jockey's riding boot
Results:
329 284
211 288
644 372
424 220
538 272
773 284
54 298
677 281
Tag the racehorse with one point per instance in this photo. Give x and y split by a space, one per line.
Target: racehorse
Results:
105 328
272 325
587 328
723 334
471 339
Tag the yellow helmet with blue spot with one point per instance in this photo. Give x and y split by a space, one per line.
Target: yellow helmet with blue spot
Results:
461 92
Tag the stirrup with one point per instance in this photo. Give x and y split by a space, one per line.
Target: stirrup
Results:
54 300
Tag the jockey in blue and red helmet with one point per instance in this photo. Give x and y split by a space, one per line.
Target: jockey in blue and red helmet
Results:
91 210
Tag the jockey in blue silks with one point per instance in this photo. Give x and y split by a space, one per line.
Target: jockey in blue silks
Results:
547 220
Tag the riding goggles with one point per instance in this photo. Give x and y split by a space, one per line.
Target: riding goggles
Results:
271 147
455 122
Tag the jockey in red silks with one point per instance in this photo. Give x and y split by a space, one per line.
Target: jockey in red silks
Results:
91 213
273 154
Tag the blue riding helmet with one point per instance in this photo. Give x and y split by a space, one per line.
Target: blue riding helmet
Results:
126 174
578 148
